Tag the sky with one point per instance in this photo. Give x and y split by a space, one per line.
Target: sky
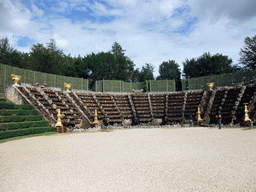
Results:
151 31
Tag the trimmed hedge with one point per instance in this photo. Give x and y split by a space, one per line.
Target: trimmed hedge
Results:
25 107
2 99
21 132
17 118
22 125
5 105
9 112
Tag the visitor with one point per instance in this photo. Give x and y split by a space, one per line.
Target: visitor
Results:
190 121
218 118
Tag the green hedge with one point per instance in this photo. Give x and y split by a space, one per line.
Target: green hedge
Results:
17 118
5 105
21 132
22 125
2 99
6 112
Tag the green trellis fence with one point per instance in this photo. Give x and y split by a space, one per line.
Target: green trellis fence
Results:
33 77
229 79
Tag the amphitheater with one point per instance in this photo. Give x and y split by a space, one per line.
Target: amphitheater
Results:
138 108
154 149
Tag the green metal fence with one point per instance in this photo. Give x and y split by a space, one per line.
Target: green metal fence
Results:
121 86
33 77
161 85
116 86
229 79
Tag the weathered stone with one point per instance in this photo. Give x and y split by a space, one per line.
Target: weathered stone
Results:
12 95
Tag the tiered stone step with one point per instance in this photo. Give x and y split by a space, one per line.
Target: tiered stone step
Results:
216 104
42 99
247 98
158 103
192 102
175 105
124 106
110 108
142 107
71 109
228 105
71 114
82 106
91 104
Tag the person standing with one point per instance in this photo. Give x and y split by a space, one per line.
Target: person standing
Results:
218 118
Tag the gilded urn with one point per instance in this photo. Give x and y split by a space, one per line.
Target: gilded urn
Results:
67 86
16 79
210 85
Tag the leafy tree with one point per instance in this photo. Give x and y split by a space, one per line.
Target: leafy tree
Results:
248 53
207 65
10 56
123 64
46 59
146 73
170 70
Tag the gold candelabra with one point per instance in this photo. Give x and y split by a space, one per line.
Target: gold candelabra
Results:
58 124
246 116
96 122
16 78
199 115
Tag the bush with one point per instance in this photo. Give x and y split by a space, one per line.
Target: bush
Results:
5 105
22 125
2 99
17 118
21 132
5 112
25 107
4 119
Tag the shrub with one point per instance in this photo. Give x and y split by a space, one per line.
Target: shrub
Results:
5 105
2 99
17 118
22 125
5 112
21 132
25 107
4 119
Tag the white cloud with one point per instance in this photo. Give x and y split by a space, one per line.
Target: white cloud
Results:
145 29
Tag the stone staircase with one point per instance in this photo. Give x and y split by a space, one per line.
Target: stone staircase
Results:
142 107
110 108
158 103
175 106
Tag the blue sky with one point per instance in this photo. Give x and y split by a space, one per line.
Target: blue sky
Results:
151 31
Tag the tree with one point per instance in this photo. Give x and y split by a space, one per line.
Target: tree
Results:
170 70
146 73
248 53
123 64
207 65
46 59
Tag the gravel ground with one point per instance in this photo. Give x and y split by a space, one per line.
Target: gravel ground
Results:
181 159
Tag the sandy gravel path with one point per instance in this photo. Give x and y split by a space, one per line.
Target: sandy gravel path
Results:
182 159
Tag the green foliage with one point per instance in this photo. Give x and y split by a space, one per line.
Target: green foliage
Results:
170 70
207 65
25 107
5 105
146 73
248 53
22 125
20 132
2 100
